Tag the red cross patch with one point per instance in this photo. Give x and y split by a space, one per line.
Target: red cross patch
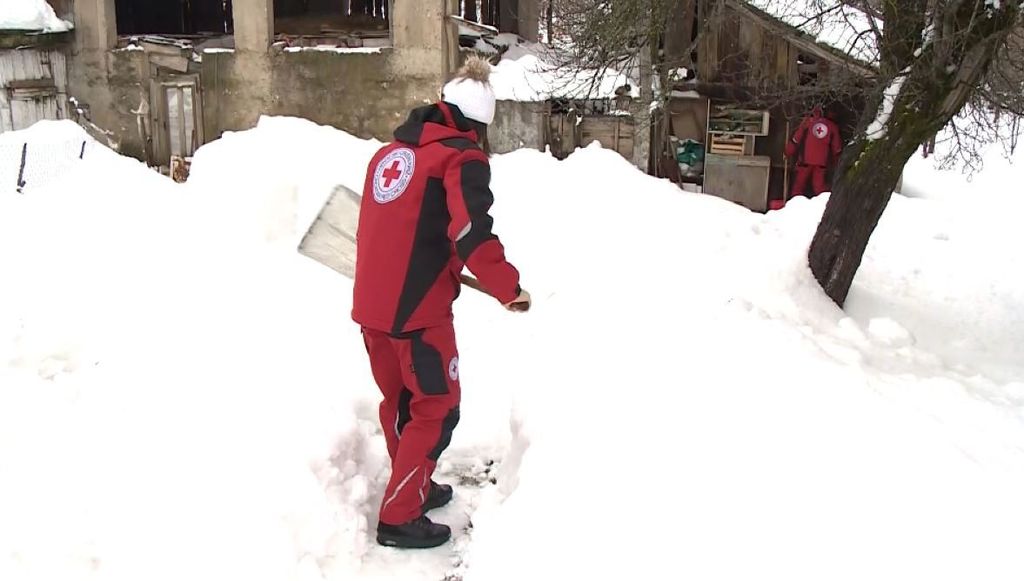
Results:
393 174
820 130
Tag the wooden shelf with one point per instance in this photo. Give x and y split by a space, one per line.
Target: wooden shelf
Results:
731 170
738 122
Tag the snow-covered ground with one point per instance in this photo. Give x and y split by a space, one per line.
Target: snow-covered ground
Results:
30 15
183 396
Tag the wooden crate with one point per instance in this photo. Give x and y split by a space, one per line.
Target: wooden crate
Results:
730 144
740 179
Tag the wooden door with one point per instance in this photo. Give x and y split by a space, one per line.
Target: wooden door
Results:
176 107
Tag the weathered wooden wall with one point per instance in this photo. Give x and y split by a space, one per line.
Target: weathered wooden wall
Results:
33 86
740 50
612 132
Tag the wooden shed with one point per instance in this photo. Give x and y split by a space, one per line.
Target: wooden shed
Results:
756 77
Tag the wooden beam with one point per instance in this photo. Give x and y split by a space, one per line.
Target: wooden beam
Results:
176 63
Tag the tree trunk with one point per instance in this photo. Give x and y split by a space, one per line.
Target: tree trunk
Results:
858 199
642 118
469 12
551 19
939 76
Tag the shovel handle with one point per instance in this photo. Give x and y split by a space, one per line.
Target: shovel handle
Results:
475 285
472 283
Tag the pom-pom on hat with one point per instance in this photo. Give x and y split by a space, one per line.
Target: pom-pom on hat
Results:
471 91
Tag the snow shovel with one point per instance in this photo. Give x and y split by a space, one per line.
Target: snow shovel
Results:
331 239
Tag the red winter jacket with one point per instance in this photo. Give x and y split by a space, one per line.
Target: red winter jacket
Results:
820 136
424 215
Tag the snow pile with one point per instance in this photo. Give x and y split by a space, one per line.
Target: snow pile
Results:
922 179
31 15
38 157
179 398
182 395
708 412
533 72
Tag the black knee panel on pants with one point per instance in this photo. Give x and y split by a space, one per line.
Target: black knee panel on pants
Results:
447 427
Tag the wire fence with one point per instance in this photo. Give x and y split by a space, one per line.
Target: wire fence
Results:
25 166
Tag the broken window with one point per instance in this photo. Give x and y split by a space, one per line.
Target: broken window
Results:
174 17
338 23
501 14
807 68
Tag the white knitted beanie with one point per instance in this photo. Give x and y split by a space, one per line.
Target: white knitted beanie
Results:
471 91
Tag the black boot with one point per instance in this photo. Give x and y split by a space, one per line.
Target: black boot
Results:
439 495
420 533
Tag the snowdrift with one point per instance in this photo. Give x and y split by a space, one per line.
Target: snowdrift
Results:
182 395
31 15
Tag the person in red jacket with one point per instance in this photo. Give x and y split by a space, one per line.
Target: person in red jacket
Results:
423 217
817 138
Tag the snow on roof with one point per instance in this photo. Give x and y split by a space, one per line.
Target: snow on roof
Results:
470 28
831 23
530 71
31 15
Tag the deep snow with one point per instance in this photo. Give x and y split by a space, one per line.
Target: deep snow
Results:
182 395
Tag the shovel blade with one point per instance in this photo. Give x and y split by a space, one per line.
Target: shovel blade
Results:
331 239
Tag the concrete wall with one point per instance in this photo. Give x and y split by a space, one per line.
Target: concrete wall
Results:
254 24
111 83
366 94
529 19
517 126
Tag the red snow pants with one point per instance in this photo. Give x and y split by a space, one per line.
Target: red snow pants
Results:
418 375
814 173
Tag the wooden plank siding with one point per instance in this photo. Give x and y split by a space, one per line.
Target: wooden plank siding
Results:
740 50
612 132
745 48
17 69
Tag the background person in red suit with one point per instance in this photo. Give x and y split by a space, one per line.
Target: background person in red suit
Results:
818 143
